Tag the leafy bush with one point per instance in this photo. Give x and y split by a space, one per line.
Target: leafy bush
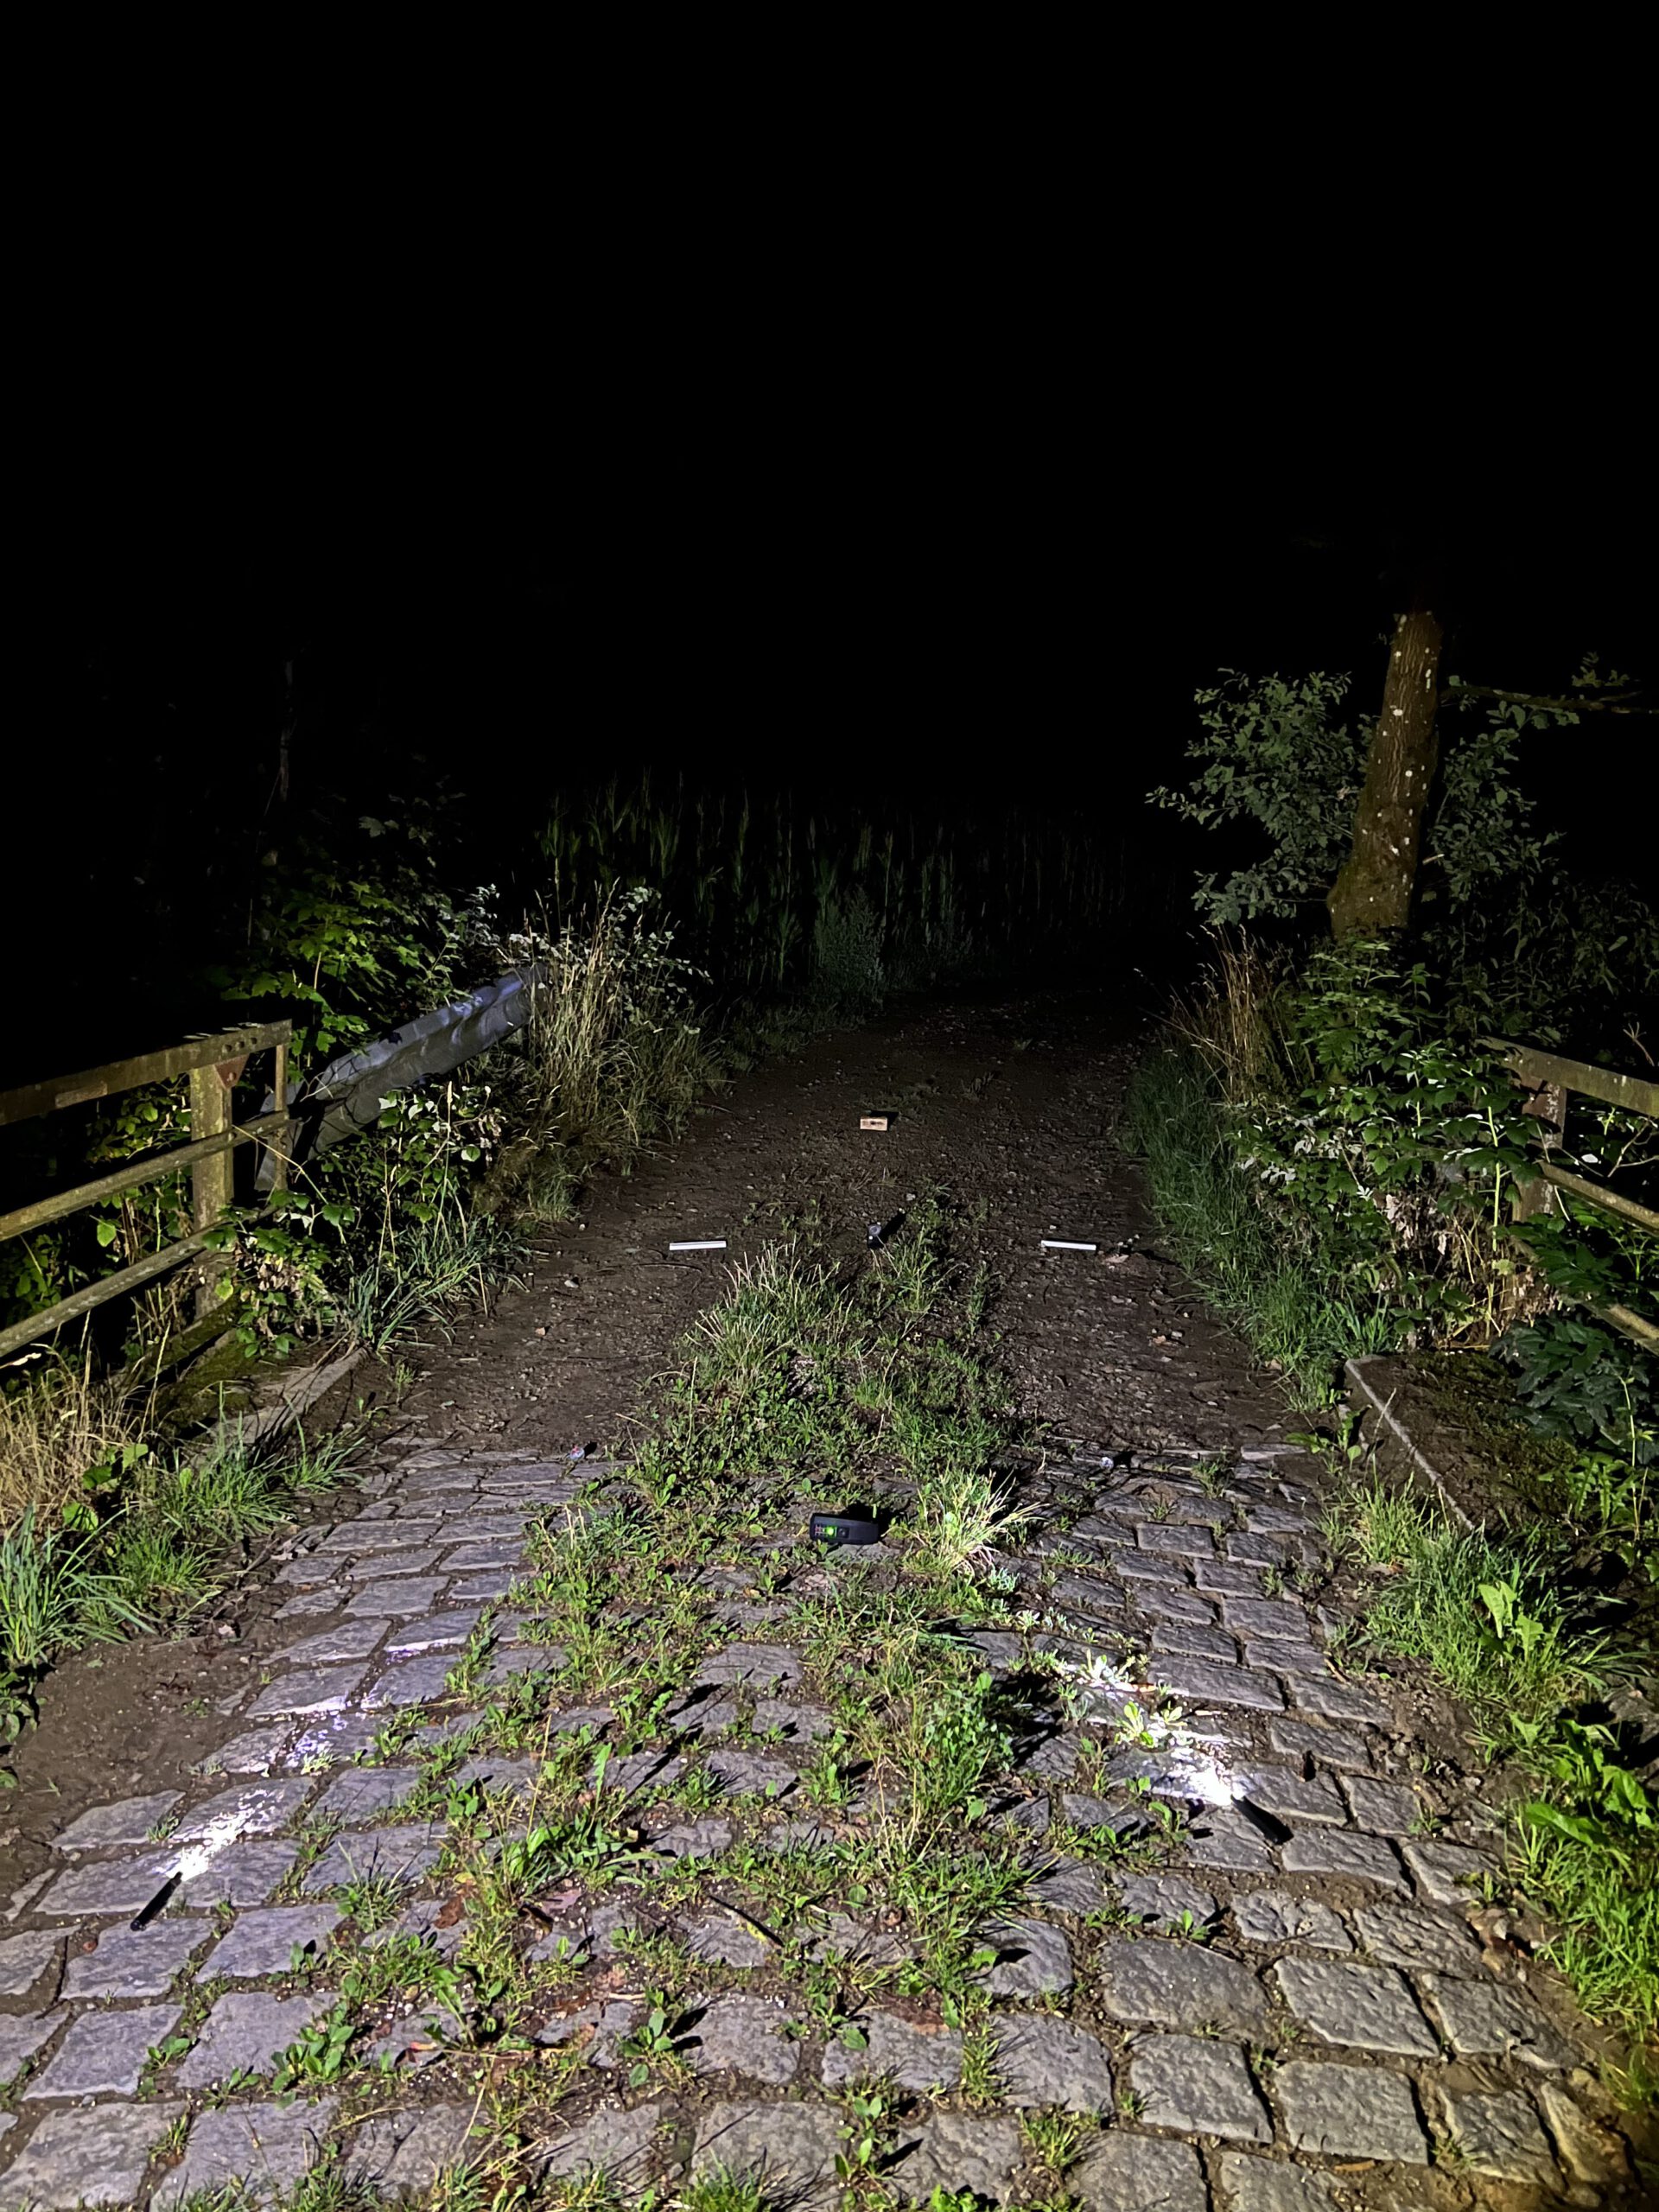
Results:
1580 1379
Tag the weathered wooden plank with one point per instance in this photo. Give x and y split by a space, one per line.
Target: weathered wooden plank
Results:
1596 1194
47 1323
153 1167
1633 1324
1605 1084
211 1179
35 1098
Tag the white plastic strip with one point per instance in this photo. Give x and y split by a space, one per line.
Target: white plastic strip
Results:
1062 1245
701 1244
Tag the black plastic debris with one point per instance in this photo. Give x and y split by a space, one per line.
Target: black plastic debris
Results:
844 1528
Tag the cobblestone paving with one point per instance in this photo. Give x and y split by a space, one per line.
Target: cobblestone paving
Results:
1280 2004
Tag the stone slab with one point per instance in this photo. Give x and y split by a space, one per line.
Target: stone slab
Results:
1283 1792
1384 1807
1124 2172
724 1939
617 2145
743 2034
790 2149
347 1639
1266 1617
108 1886
1334 1701
752 1773
1199 2085
1411 1935
267 2148
66 2165
1350 2111
1485 2019
1446 1872
402 2152
1204 1683
363 1793
252 1808
400 1854
104 2053
952 2150
1252 2184
136 1961
1072 1886
24 1959
128 1821
1180 1985
247 2031
1045 2062
305 1690
1220 1836
21 2037
255 1751
402 1599
913 2058
1352 1857
244 1874
263 1942
760 1664
1033 1959
1190 1641
1275 1917
1499 2136
414 1682
1333 1747
436 1632
1364 2008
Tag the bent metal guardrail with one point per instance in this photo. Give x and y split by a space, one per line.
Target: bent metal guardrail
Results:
342 1101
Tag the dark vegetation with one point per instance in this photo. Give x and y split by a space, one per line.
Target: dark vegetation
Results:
1336 1150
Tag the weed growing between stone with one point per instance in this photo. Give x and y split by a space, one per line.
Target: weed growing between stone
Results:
1487 1614
878 1878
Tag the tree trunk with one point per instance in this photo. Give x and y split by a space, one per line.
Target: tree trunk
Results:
1373 893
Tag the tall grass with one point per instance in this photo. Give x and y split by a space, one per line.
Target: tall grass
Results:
64 1420
1293 1317
127 1556
777 893
421 1274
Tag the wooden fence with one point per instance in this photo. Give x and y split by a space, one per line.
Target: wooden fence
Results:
1552 1080
213 1065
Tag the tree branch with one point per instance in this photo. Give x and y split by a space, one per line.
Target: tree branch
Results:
1617 705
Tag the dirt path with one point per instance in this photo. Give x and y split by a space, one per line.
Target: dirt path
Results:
1280 2008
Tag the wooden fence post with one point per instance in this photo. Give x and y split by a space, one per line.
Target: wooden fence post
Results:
284 1137
1547 1107
211 1179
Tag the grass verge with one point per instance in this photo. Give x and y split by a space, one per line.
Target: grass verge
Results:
145 1540
1490 1615
1292 1317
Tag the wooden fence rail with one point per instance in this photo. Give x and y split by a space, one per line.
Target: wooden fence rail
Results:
1552 1080
213 1066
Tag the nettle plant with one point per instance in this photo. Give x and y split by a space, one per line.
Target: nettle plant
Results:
1387 1151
